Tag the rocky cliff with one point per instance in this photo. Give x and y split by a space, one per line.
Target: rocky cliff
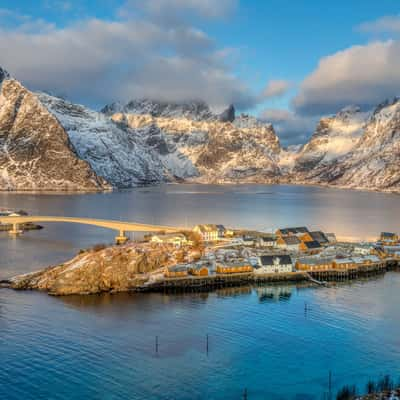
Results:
116 269
35 151
115 152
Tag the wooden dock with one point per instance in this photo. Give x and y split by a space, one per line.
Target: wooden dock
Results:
205 283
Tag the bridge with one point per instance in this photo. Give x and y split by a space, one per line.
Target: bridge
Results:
120 226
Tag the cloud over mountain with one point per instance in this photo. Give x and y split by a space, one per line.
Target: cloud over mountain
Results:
276 88
97 61
362 75
290 127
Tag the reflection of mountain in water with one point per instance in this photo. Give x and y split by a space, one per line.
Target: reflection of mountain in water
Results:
274 293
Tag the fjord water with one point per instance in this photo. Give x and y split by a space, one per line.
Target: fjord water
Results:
260 338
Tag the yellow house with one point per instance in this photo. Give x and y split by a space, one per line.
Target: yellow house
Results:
314 264
233 268
199 270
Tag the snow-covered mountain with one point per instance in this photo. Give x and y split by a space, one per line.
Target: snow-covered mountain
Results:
35 150
48 143
203 147
334 137
354 150
118 154
194 110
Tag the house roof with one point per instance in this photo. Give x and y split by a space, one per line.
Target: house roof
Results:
293 231
268 239
319 236
206 227
167 236
235 264
291 240
220 227
315 260
388 234
313 244
178 268
198 266
346 260
283 259
330 236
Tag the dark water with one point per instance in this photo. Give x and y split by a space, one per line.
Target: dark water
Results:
103 347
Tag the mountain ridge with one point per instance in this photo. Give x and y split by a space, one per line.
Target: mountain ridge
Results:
149 142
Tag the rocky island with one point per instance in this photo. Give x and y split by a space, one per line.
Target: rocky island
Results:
211 256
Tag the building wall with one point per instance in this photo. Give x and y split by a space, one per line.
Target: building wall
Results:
223 269
271 269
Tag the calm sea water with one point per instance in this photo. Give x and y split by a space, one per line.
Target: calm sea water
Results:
260 339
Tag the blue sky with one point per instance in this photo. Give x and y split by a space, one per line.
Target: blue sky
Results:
287 61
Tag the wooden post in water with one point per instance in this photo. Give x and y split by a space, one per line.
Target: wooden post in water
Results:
156 344
330 386
207 343
245 394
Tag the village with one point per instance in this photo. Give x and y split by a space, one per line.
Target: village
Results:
213 250
213 255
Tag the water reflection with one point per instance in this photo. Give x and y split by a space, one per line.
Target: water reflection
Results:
274 293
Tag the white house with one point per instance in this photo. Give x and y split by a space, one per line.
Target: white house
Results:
363 249
289 242
208 232
266 241
274 264
177 239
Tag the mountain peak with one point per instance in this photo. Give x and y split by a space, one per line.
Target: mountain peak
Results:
196 110
4 75
228 115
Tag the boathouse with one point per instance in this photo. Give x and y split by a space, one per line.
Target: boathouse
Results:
199 269
314 263
234 268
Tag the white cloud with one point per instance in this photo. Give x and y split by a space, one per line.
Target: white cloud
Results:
172 11
276 88
11 20
290 127
363 75
96 61
386 24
